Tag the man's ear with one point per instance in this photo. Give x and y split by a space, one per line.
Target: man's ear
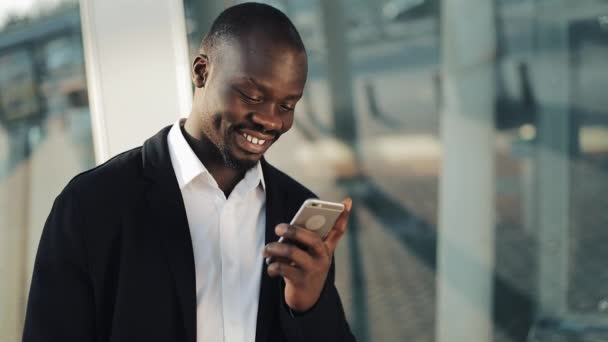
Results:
200 69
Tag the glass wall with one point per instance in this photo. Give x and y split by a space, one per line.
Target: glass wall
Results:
552 176
369 127
45 134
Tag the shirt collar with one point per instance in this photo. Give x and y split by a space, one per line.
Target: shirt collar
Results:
187 166
255 177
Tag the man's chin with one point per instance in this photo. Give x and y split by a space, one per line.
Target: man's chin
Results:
239 163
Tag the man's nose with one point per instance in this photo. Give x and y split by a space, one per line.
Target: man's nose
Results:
269 118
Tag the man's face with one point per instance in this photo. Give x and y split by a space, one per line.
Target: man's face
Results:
249 96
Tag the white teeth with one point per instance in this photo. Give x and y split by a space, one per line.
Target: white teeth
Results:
253 140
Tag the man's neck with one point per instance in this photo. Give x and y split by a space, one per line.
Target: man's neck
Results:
226 177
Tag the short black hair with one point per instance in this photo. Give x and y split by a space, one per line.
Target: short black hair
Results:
238 20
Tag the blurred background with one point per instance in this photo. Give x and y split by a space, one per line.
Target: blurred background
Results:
471 134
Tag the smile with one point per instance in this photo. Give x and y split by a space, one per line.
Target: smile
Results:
253 139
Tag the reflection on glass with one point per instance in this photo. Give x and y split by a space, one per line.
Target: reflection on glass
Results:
381 76
367 127
45 134
589 51
551 170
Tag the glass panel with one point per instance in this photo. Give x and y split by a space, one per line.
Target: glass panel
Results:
516 225
552 157
45 134
382 150
587 276
368 127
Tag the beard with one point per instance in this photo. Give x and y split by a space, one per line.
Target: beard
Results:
223 139
231 161
224 146
227 148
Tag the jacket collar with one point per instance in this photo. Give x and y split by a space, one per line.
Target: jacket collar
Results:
167 218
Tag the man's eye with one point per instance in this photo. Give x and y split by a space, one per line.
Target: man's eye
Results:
248 98
287 108
252 99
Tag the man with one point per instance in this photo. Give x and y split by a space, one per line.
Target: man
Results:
166 242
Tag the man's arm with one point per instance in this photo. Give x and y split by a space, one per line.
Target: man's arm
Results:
325 321
60 305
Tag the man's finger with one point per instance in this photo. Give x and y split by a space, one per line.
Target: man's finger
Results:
288 253
291 273
308 238
273 259
332 239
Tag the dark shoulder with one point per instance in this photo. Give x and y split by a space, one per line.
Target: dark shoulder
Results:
287 185
115 175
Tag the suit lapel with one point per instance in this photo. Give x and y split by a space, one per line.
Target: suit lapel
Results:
167 217
269 288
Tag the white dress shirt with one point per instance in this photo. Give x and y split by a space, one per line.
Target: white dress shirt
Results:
227 239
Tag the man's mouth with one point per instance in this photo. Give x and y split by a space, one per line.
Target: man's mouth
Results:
253 141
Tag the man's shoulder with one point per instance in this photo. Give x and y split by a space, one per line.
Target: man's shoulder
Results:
118 173
287 184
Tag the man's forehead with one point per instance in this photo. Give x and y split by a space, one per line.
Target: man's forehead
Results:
259 46
258 55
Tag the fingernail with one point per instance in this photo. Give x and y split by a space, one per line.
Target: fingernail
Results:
280 229
349 204
273 267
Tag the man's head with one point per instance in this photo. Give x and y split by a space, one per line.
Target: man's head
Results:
249 75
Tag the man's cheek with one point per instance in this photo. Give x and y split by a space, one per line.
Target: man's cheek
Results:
217 121
287 123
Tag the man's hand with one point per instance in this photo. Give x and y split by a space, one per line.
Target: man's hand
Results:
305 271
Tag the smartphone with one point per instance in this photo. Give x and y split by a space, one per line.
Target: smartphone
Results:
317 216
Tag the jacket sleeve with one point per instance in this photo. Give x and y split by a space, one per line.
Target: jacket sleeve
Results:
60 305
324 322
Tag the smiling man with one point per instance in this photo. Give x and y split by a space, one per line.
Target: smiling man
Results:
166 242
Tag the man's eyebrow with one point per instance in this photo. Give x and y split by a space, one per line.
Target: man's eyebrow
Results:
294 96
252 81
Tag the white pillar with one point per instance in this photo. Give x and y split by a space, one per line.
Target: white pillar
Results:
137 70
14 191
466 204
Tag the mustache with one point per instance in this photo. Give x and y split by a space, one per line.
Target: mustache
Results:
258 128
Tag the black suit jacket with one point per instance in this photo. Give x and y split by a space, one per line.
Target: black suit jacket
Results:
115 261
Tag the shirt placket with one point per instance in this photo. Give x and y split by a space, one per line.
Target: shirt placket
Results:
233 329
